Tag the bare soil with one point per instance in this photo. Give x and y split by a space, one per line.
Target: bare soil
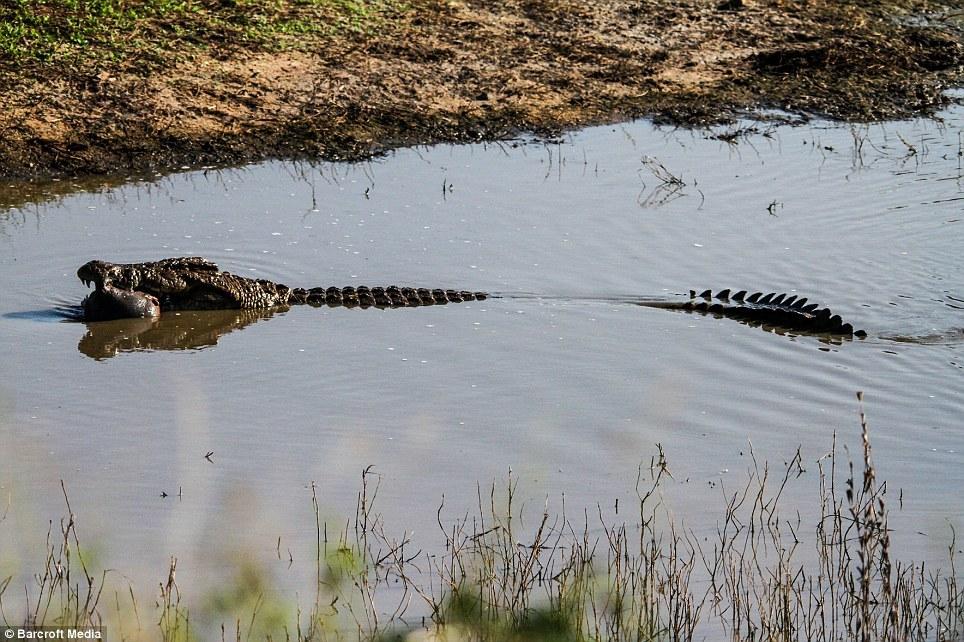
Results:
472 70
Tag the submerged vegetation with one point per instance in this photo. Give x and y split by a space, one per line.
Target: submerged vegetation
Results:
763 575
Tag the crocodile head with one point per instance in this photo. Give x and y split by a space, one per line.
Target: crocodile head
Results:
98 273
180 283
167 276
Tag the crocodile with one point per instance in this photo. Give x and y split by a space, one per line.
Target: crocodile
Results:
145 290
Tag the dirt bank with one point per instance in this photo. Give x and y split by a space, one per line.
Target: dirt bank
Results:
202 82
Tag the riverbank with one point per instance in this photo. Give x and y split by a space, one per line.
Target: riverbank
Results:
107 86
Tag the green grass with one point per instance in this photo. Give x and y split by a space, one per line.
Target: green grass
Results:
49 31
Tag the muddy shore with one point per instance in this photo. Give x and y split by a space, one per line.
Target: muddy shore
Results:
160 91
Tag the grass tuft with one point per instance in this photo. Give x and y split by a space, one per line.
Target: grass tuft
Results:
47 31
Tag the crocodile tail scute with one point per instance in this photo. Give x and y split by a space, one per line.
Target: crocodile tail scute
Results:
392 296
786 311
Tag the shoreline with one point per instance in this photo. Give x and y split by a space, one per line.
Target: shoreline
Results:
127 100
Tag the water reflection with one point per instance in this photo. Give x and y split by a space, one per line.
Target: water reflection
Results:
951 337
172 331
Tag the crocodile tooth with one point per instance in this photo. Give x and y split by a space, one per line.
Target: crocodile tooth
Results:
739 295
706 294
723 295
753 298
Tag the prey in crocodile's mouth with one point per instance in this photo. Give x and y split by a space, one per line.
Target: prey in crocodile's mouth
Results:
107 301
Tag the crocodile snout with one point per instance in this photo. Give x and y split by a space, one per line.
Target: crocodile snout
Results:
93 272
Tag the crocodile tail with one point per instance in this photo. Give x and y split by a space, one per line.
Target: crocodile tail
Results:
392 296
780 310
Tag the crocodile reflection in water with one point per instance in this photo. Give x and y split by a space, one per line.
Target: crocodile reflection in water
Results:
173 331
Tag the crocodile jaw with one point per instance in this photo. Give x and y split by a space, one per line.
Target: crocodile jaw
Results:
94 272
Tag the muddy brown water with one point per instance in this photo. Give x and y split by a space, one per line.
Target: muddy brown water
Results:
563 380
